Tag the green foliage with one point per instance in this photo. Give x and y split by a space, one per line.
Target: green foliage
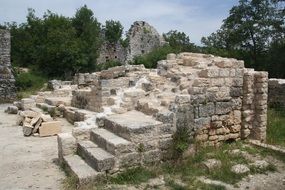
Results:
150 60
108 65
55 45
254 32
276 127
133 176
113 31
28 83
181 141
179 41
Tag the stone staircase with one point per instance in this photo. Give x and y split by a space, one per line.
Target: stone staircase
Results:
123 140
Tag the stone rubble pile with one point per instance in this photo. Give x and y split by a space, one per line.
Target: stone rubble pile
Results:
37 123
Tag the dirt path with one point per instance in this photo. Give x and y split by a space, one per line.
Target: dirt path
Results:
27 162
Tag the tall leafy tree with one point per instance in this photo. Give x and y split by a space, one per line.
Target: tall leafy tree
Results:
88 32
113 31
179 41
251 27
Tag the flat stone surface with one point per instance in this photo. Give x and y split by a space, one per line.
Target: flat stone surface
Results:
80 168
110 142
96 157
110 137
133 120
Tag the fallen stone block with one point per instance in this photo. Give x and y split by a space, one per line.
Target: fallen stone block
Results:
50 128
12 110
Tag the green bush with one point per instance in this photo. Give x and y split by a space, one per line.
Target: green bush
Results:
28 83
107 65
150 60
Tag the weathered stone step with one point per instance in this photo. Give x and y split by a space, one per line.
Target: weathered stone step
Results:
80 169
110 142
131 125
96 157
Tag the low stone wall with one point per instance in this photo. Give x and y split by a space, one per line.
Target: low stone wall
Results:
7 81
276 92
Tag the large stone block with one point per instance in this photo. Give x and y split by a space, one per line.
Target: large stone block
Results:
223 107
66 145
50 128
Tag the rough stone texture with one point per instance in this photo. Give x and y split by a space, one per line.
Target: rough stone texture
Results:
143 38
276 92
112 52
240 169
254 109
7 80
132 113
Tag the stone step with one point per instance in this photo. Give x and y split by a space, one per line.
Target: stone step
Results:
110 142
95 156
80 169
132 125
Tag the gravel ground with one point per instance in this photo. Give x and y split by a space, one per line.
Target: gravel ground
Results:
27 162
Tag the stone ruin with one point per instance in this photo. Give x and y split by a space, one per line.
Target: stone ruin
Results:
126 116
143 38
7 80
276 93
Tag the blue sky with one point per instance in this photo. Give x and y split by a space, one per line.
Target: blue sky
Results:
197 18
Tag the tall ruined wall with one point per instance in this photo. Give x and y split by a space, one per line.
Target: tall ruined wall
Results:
112 52
276 92
143 38
7 81
254 110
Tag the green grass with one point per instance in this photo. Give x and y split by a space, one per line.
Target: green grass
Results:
192 167
183 174
276 127
133 176
29 83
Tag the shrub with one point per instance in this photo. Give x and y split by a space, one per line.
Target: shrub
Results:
28 83
150 60
107 65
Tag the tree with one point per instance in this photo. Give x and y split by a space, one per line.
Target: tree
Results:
250 29
179 41
88 33
113 31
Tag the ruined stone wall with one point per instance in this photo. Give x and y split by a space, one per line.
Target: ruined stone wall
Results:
216 99
254 110
112 52
143 38
276 92
7 81
220 100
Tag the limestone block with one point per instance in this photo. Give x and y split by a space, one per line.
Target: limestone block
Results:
182 99
224 72
66 145
209 73
171 56
223 107
83 132
206 110
27 103
12 110
212 164
202 138
50 128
